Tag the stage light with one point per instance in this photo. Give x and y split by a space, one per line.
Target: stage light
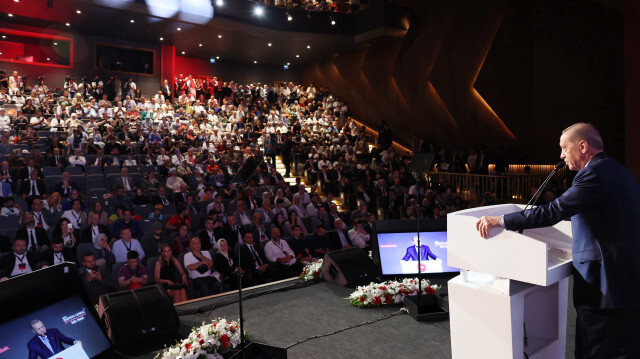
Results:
217 57
200 45
78 12
297 55
333 21
286 67
179 29
258 10
255 62
308 46
289 17
68 24
183 52
219 2
269 44
0 53
48 59
4 36
162 39
55 44
10 15
212 60
219 36
132 21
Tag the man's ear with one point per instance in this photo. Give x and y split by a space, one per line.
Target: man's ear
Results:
583 146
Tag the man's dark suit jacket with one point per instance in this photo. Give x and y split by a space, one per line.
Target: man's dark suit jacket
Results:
25 187
41 235
51 161
38 349
605 214
334 238
155 199
150 244
231 235
60 189
8 262
86 235
47 257
425 252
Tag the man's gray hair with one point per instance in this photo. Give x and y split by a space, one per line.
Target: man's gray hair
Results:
585 131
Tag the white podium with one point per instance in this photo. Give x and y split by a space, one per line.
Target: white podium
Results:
427 266
511 297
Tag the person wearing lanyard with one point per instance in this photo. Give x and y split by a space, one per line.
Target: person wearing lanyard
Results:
279 252
58 253
125 245
19 262
75 215
37 238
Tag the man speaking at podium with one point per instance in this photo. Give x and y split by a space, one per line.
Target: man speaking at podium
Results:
46 343
412 252
604 206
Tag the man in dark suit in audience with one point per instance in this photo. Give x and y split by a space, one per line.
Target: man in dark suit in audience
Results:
339 238
93 228
25 172
33 187
19 261
65 186
231 230
182 195
36 237
57 253
57 160
161 197
253 262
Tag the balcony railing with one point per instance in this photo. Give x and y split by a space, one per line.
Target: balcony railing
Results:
512 188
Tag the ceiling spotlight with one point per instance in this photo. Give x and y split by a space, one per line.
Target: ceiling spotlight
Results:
10 15
48 59
217 57
183 52
179 29
16 0
200 45
289 17
219 36
258 10
131 21
219 2
333 21
255 62
68 24
297 55
55 43
162 39
0 53
269 44
78 12
288 64
308 46
4 36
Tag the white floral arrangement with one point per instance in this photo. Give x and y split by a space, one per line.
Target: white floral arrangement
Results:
312 271
389 292
208 341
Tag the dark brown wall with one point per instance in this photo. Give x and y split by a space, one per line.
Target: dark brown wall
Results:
499 73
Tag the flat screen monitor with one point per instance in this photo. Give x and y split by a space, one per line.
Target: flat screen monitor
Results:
396 242
65 329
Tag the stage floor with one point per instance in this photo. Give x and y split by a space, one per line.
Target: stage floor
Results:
285 317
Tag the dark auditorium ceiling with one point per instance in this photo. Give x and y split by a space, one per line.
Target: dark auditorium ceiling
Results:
234 33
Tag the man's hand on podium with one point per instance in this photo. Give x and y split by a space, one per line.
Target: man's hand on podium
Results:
485 223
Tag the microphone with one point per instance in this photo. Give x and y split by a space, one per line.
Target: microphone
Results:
542 186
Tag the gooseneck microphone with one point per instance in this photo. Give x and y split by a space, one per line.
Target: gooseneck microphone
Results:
542 186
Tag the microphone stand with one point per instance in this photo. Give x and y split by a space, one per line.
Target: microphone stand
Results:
237 180
541 188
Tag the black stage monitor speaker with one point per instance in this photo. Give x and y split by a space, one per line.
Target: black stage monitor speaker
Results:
349 267
138 314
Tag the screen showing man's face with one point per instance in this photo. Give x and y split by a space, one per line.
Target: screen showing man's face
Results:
39 329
